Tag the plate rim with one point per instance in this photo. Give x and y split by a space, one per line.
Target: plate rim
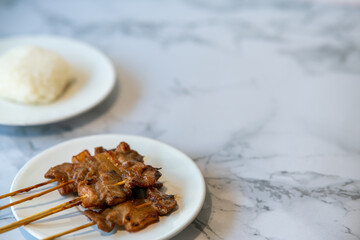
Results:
171 233
86 108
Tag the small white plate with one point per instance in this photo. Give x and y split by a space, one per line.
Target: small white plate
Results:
94 79
180 176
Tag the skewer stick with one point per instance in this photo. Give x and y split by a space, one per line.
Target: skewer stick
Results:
42 214
36 195
70 231
85 225
120 183
26 189
143 205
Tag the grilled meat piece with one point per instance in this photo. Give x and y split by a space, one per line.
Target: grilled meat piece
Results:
98 150
119 214
135 218
68 171
114 194
93 194
162 202
141 175
62 173
125 214
102 191
140 218
81 157
126 156
105 161
131 217
100 219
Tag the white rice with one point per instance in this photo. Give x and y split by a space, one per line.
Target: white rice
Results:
33 75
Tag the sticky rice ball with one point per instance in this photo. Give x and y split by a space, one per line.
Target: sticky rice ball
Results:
33 75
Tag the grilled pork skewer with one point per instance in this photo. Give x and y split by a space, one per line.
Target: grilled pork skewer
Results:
134 214
75 177
83 226
107 179
45 192
123 147
157 203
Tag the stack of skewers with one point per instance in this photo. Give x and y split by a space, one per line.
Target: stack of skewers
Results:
115 186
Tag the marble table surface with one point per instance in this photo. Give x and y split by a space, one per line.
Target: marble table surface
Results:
262 94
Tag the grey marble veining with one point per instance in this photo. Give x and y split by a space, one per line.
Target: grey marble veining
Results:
263 95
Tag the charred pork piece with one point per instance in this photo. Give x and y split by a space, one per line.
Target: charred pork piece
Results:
102 191
81 157
141 175
100 219
126 156
62 173
141 218
93 195
119 214
162 202
102 161
114 194
98 150
124 214
83 172
135 214
68 171
105 161
131 217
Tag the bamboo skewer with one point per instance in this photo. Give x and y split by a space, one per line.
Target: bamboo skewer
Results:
143 205
42 214
70 231
120 183
85 225
36 195
26 189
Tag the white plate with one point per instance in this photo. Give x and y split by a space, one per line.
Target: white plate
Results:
94 79
181 177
